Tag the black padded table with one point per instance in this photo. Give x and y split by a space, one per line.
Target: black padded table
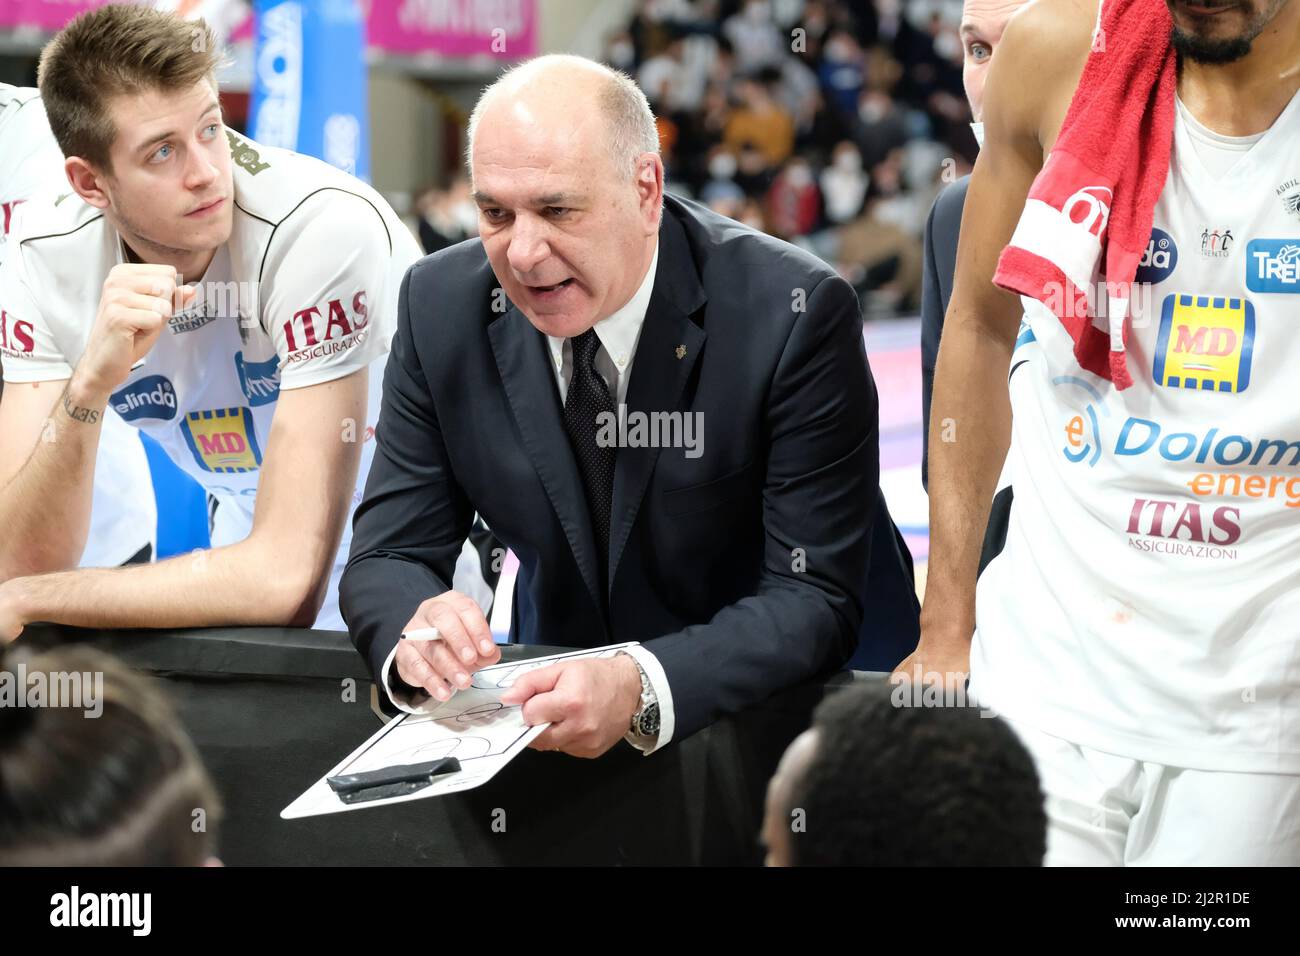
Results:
272 709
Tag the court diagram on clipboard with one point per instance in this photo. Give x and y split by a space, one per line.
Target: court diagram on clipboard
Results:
482 733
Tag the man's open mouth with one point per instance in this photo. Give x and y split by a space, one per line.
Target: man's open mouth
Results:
551 288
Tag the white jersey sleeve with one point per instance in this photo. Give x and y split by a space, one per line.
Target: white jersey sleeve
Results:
326 274
26 339
29 158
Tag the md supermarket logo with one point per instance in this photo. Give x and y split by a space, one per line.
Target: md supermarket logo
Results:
223 440
1205 343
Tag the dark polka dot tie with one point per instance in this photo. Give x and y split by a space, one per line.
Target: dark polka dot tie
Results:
587 398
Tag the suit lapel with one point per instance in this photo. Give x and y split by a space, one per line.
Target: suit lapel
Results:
525 366
667 350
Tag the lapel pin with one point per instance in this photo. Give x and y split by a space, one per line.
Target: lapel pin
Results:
681 351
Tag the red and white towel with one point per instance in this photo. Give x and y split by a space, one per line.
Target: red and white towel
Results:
1097 191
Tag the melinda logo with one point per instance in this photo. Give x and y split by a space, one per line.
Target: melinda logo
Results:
1273 265
1159 259
151 397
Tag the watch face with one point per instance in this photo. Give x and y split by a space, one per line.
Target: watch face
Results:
650 721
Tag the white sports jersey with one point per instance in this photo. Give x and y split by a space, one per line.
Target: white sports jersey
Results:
304 292
123 517
1147 601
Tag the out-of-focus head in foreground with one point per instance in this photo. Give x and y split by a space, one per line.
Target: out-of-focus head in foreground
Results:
880 780
95 769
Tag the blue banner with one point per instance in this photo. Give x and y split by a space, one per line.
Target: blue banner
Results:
309 81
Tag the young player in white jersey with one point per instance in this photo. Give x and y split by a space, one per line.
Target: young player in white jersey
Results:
233 301
123 516
1139 629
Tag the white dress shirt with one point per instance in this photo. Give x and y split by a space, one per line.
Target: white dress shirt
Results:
618 334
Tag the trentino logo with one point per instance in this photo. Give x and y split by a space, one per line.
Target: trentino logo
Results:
151 397
1273 265
1216 244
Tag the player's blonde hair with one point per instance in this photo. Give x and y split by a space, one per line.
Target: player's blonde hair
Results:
120 49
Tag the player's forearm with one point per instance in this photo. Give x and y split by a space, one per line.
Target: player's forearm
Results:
970 428
45 507
246 583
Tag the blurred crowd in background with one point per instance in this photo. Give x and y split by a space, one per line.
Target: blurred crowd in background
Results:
832 124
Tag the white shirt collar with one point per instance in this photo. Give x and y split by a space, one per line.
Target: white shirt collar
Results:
619 332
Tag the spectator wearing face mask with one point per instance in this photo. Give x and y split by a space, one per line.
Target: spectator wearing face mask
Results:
720 191
844 184
762 122
794 201
754 36
842 71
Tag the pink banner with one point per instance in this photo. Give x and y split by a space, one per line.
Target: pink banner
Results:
502 29
44 14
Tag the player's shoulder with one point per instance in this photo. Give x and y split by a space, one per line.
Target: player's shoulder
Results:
279 187
52 214
1044 38
14 99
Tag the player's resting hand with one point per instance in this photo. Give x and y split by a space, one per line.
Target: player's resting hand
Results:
137 299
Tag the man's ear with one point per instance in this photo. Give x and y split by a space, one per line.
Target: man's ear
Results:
85 181
650 189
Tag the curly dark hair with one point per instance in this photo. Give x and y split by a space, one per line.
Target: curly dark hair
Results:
894 785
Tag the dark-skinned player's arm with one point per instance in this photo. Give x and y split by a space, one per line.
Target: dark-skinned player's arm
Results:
970 383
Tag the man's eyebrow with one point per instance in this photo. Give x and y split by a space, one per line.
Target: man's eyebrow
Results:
970 29
549 199
146 143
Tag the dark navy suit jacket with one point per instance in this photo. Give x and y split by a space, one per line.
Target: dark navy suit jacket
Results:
743 570
940 264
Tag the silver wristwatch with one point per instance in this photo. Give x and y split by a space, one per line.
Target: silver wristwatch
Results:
645 722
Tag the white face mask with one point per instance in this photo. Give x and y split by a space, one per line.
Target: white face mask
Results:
622 55
722 166
978 130
799 176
